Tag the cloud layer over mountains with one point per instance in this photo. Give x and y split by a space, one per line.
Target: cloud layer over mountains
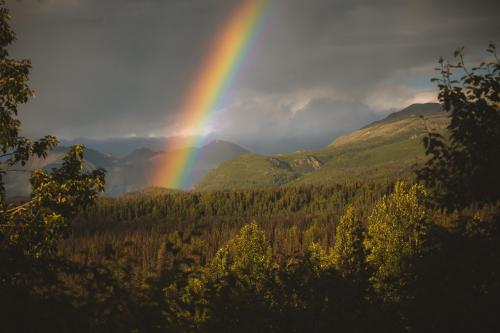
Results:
320 68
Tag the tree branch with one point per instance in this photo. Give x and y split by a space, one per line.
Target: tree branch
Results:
18 208
18 170
7 154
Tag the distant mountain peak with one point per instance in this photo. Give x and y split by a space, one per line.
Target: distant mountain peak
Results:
405 122
141 153
419 109
413 110
221 142
222 145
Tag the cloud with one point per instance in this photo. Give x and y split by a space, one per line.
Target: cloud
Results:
272 123
393 96
114 67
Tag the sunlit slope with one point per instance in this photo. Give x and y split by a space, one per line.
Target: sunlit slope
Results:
386 148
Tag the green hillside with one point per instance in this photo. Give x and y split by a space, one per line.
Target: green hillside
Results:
388 147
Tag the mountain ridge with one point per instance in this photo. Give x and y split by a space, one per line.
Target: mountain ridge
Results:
131 173
413 110
385 148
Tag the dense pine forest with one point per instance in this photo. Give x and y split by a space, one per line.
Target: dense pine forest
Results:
292 218
415 255
296 259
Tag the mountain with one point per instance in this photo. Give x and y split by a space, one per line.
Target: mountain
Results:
384 148
414 110
398 125
219 150
136 170
17 182
131 173
121 147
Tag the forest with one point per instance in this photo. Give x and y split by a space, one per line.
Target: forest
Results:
420 254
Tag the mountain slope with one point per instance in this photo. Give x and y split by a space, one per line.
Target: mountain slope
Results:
412 111
402 124
121 147
136 171
131 173
17 183
383 148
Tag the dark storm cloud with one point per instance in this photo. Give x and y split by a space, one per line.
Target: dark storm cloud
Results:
106 68
358 43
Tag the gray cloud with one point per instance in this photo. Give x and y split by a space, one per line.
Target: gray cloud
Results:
320 67
289 127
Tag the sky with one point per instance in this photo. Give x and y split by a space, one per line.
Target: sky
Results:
318 69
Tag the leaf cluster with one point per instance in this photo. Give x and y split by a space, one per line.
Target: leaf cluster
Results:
463 168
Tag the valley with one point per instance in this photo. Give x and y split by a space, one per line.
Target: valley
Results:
387 148
384 149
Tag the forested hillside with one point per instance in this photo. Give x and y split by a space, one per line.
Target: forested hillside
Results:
296 258
385 148
285 214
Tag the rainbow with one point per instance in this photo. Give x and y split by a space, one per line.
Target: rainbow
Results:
212 82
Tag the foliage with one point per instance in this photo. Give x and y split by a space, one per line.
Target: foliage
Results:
397 231
456 284
14 91
290 217
31 270
239 283
464 169
35 226
348 251
38 225
248 256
